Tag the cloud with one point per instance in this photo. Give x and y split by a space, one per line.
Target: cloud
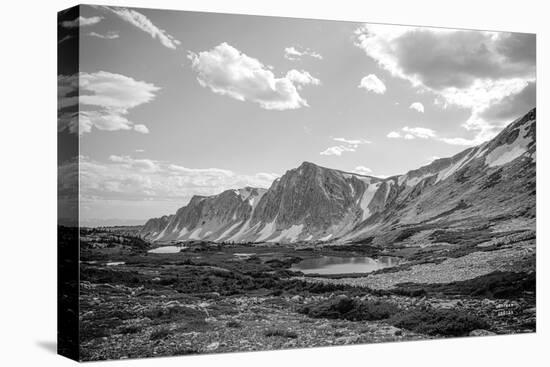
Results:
142 165
229 72
104 101
417 106
108 35
348 145
140 128
420 132
467 69
362 170
413 133
460 141
143 23
292 53
300 78
337 150
81 22
509 107
355 142
66 38
372 84
126 178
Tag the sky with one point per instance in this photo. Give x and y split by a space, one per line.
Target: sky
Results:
175 104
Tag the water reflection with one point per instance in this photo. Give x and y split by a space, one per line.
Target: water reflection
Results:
167 250
344 265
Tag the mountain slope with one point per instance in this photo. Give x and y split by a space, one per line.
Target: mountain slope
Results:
312 203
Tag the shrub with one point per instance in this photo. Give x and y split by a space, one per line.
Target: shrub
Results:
185 351
438 322
160 334
131 329
498 284
346 308
234 324
281 333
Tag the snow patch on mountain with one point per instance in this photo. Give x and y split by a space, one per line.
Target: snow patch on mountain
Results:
228 231
289 234
195 234
447 172
161 234
183 232
367 198
508 152
267 231
326 238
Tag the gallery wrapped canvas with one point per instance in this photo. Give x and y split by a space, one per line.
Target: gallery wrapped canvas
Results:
233 183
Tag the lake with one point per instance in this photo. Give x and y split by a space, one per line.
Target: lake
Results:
344 265
167 249
115 263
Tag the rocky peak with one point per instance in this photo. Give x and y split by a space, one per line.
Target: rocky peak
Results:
314 203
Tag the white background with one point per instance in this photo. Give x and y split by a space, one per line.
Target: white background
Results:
28 182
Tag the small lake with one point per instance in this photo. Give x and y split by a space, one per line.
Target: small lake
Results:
244 256
344 265
167 249
115 263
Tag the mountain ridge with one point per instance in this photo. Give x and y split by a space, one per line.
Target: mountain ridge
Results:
315 203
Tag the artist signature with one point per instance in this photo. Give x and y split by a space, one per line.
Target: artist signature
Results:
506 309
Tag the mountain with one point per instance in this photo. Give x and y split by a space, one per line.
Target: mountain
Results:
491 185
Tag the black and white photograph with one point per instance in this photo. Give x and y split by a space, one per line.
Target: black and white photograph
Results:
232 183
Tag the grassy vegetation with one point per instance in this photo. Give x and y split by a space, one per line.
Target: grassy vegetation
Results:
206 279
463 236
185 351
234 324
174 313
283 333
353 309
177 304
131 329
445 322
498 284
160 334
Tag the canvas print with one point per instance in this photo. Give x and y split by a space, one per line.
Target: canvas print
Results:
232 183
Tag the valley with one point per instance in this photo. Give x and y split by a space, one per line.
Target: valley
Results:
210 298
323 257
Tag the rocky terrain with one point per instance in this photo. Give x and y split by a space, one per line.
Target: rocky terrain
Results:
212 298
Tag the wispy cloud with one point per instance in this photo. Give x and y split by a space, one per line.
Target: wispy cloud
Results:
347 145
373 84
143 23
109 35
105 99
362 170
66 38
296 53
126 178
229 72
411 133
81 22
